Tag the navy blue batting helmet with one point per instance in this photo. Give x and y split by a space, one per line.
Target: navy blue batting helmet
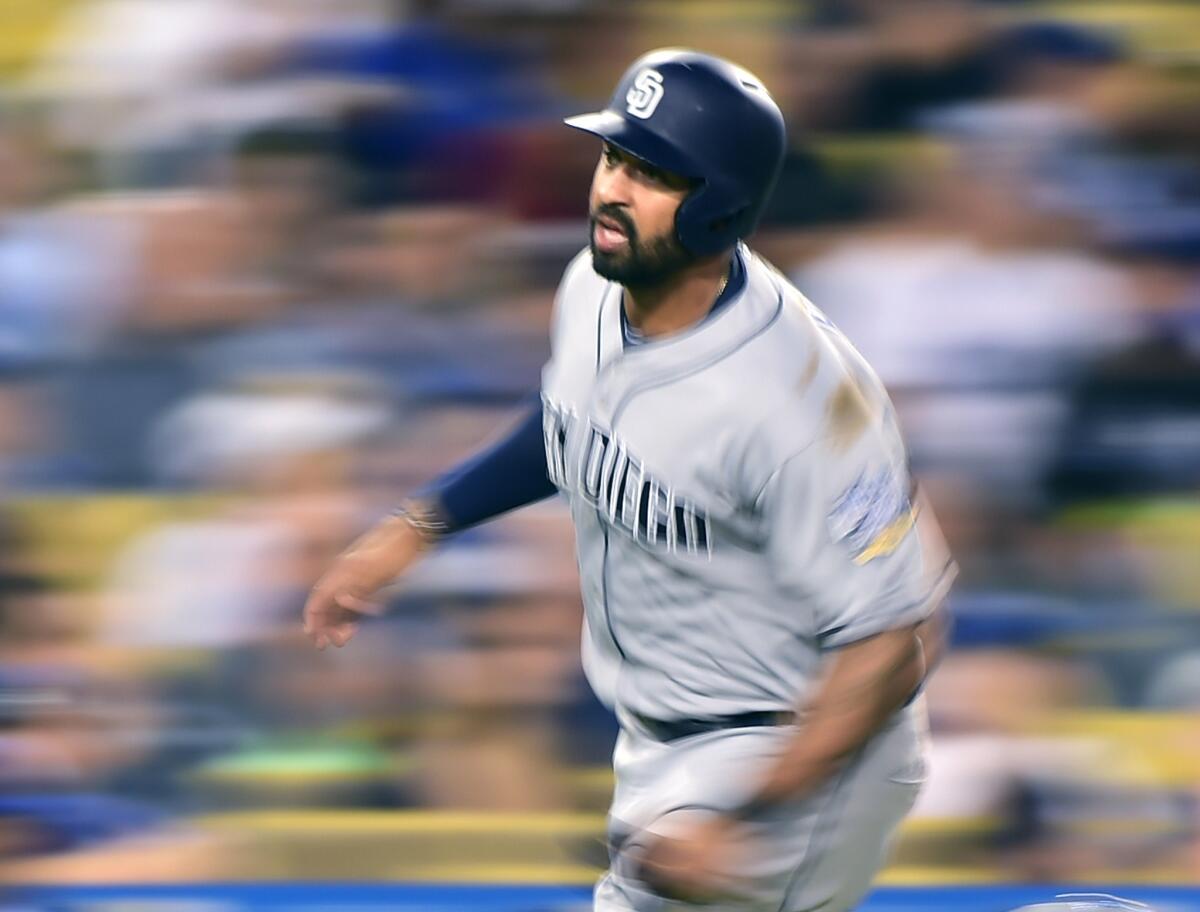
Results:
704 118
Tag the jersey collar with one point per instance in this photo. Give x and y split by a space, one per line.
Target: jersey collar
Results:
733 287
625 372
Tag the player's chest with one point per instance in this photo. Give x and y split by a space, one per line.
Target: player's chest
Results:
643 450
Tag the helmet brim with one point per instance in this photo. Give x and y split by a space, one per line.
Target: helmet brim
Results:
637 141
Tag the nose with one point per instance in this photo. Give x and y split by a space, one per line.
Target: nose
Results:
612 185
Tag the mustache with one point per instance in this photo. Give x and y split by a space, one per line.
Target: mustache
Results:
618 215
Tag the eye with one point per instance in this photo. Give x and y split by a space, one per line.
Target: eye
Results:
654 174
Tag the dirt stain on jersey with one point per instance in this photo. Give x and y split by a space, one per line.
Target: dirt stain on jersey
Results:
810 372
849 414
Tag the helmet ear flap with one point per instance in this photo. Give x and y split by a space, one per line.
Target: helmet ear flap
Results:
724 223
707 222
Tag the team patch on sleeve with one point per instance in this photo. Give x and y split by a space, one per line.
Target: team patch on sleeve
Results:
873 515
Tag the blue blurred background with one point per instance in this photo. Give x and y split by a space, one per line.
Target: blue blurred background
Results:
266 265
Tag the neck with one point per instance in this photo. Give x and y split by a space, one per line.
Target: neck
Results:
681 301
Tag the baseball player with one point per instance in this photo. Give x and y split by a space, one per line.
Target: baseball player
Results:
760 585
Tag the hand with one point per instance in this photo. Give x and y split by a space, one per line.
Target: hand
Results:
346 592
696 864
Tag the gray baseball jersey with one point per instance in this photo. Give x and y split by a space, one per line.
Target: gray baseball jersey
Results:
740 496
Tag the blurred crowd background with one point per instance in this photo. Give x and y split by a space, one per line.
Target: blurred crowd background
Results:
265 266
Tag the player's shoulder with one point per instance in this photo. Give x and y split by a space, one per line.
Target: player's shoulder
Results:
579 276
794 352
579 284
797 320
810 384
581 279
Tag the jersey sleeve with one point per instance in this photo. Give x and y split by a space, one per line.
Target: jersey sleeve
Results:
847 535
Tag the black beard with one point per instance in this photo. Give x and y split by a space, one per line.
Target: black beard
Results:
639 265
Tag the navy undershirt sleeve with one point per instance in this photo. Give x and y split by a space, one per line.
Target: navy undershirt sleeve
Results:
506 475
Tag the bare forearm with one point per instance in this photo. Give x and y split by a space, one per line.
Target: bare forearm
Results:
866 683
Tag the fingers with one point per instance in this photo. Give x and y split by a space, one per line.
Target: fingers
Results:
700 866
333 620
667 875
341 634
330 633
686 887
336 635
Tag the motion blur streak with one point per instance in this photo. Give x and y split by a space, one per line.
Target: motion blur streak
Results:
265 266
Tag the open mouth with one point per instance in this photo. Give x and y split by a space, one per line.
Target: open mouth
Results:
608 234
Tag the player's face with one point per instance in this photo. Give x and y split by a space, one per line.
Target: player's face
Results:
632 209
